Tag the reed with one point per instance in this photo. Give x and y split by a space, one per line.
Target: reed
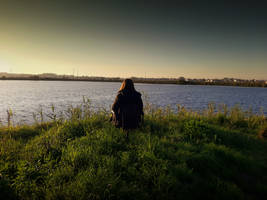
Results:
9 117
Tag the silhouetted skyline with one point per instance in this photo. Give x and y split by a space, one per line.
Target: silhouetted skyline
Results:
209 39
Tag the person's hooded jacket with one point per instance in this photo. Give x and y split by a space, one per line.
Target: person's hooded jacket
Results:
128 109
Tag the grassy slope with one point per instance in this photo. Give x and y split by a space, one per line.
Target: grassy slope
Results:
172 156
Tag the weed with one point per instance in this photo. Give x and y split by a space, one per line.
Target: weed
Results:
213 154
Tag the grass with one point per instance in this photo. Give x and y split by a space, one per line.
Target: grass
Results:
218 153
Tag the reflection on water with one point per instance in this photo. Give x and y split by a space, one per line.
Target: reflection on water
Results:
26 97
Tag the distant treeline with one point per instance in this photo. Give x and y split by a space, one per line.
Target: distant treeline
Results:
180 81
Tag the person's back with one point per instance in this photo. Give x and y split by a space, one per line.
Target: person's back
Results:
128 107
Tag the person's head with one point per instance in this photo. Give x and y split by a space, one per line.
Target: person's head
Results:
127 85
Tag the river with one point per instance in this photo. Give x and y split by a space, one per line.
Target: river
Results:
26 97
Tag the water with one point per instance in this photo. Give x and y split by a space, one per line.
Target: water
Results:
26 97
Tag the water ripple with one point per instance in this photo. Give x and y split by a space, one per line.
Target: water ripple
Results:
26 97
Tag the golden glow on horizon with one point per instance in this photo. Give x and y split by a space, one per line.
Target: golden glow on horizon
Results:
28 52
4 67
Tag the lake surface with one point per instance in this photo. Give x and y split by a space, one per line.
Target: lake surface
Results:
26 97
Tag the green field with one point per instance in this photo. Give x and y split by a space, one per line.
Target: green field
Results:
184 155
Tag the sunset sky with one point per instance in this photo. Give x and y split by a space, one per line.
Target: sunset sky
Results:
208 39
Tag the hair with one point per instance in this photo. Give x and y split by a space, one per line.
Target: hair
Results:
127 85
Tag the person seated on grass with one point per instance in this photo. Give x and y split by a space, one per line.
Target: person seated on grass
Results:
127 108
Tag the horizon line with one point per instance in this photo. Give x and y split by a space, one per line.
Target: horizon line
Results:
146 77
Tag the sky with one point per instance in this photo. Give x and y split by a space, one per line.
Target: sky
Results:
194 39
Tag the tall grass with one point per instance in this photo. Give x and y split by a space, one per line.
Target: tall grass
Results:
217 153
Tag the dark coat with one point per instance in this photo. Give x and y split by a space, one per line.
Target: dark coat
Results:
128 110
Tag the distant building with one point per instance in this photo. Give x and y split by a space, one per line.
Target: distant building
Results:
209 81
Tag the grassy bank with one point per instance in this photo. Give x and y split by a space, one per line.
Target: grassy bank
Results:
184 155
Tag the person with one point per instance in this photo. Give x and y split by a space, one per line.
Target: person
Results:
128 107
